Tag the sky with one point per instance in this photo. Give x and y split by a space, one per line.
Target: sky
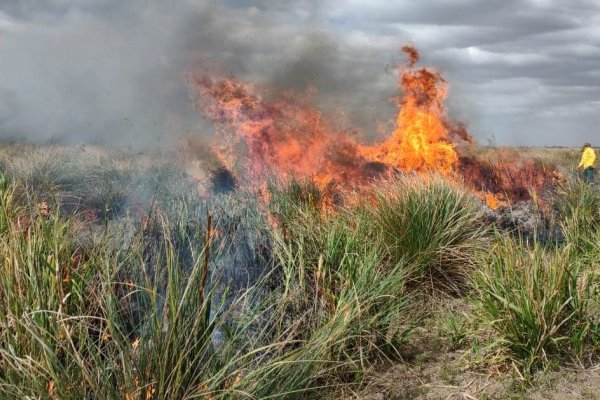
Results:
521 72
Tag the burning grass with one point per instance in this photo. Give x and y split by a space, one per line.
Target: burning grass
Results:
288 260
140 305
281 296
263 131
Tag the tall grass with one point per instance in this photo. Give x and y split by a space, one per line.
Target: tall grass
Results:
540 301
141 315
578 207
104 183
106 321
142 308
344 299
425 222
434 225
45 170
340 310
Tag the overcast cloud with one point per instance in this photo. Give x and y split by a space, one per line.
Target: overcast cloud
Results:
113 71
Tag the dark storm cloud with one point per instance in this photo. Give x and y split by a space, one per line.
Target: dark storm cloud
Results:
114 71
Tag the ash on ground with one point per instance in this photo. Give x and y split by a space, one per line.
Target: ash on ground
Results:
525 220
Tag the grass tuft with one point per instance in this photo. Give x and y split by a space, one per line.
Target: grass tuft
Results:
540 301
434 225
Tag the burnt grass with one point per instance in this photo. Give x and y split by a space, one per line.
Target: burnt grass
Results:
446 350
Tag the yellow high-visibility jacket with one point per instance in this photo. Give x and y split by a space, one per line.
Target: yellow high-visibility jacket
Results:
588 158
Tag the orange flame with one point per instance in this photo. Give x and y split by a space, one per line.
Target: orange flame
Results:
291 136
421 139
493 201
288 135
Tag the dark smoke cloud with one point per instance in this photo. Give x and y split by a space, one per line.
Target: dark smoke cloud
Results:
113 72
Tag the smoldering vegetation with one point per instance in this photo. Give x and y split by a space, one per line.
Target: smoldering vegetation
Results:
127 276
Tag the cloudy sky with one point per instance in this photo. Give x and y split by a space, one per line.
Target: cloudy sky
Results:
521 72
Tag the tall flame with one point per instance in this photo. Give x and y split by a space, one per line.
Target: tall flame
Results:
260 132
289 135
420 141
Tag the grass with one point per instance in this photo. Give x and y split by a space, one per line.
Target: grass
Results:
541 301
87 315
435 225
162 294
349 276
578 205
142 314
97 323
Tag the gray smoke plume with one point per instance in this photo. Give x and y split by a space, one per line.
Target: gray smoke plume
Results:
114 72
100 72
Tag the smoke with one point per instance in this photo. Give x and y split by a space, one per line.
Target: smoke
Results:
99 73
113 72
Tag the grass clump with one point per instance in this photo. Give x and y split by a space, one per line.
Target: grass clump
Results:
342 301
109 319
578 198
46 171
540 301
578 205
434 225
334 332
295 203
141 315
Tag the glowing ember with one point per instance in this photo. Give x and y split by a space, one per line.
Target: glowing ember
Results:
492 200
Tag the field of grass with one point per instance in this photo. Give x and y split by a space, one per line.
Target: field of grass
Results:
120 281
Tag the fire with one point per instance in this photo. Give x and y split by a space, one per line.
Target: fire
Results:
291 136
506 176
492 200
260 132
421 140
287 135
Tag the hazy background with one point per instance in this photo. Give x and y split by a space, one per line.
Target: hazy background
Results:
521 72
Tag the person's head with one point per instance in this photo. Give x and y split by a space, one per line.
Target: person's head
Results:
585 146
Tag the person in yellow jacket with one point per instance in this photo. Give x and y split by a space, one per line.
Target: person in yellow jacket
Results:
588 162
